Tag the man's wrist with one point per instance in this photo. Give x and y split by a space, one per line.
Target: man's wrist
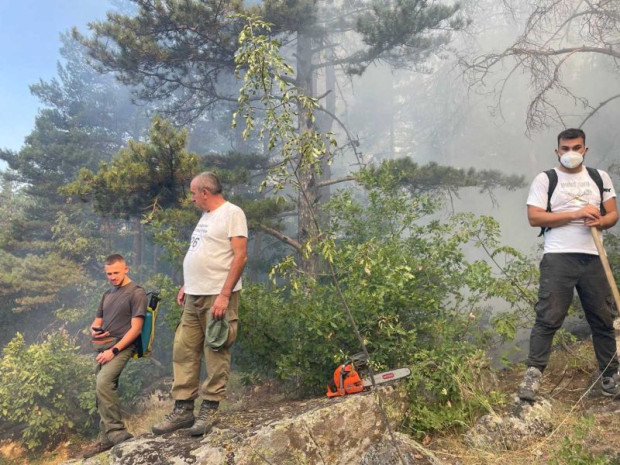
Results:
115 351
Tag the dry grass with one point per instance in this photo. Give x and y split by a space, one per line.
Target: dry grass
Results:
149 411
243 393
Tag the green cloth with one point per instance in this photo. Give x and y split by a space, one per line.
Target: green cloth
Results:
217 333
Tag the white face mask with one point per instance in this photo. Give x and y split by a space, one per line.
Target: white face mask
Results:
571 159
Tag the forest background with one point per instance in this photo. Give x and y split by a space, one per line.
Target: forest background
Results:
381 151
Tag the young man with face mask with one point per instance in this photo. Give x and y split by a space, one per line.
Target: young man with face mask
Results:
570 260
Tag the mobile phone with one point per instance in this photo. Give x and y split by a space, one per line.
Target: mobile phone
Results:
97 329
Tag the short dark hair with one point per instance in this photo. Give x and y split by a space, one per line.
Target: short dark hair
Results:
210 181
571 133
112 259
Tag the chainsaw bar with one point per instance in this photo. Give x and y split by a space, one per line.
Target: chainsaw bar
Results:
387 376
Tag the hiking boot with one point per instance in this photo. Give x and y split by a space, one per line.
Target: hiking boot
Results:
530 384
610 385
207 417
118 436
182 416
98 448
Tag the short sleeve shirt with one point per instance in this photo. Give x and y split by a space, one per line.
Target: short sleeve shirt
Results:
119 305
574 191
210 254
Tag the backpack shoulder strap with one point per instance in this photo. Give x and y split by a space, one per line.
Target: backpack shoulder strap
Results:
553 182
596 177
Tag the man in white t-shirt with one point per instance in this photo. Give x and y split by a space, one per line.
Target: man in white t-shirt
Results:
571 260
212 270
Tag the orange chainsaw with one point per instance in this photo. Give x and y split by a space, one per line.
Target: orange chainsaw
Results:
347 379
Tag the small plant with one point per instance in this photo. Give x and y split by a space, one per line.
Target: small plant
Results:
573 450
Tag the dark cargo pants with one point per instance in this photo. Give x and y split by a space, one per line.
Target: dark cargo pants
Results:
560 274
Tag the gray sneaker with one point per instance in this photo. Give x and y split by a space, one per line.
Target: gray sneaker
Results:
530 385
610 385
182 416
206 419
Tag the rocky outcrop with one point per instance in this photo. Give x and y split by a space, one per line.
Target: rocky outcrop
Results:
340 431
513 432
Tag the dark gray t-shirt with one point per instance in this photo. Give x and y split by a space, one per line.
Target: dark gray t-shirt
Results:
119 305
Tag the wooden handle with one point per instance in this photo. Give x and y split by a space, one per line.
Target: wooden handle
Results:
606 267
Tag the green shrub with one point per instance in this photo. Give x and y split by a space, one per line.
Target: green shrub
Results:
416 297
448 388
47 389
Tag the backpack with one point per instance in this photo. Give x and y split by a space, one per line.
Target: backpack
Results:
144 342
553 182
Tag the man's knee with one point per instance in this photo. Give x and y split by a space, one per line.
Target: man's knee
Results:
183 353
105 386
550 312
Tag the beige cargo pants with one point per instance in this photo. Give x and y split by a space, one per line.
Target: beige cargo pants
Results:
189 346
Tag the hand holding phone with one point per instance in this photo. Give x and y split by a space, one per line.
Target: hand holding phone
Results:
97 329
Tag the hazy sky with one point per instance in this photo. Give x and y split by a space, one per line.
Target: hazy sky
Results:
29 44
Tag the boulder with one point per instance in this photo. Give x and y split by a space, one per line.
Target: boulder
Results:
512 432
344 430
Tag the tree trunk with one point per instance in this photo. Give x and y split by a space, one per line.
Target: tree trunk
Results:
326 123
307 229
155 266
138 235
107 228
257 244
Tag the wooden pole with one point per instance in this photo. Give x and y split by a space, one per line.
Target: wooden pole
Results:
610 278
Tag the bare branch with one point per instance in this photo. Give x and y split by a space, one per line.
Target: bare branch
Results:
329 182
557 32
595 110
280 236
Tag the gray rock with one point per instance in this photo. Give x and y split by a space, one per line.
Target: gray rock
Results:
513 432
339 431
402 451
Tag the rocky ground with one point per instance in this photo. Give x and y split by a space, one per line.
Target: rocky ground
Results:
572 424
575 424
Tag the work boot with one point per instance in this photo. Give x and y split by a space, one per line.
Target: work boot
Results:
610 385
530 385
98 448
118 436
207 417
182 416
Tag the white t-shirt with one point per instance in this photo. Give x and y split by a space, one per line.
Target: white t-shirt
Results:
210 255
573 192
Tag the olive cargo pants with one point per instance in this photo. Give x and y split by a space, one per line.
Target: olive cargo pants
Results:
108 401
189 346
